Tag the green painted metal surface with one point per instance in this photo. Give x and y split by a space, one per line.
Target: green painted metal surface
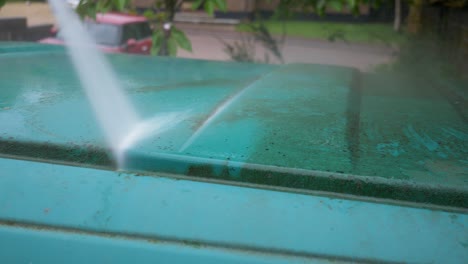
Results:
18 48
53 213
307 127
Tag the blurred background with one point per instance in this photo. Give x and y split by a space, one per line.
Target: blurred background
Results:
414 40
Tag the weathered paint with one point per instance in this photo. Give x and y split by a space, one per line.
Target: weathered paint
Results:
300 126
53 246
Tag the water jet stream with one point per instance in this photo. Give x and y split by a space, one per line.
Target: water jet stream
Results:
115 114
219 110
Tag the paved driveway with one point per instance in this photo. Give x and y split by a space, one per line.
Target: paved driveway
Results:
207 44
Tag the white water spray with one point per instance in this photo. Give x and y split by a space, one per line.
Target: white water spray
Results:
218 111
118 119
146 128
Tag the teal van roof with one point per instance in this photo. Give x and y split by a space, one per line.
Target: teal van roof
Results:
13 47
303 127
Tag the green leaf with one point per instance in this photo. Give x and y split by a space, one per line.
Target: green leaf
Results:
352 4
82 8
157 42
197 4
103 6
221 4
91 12
149 14
120 4
105 9
336 5
155 51
100 5
181 39
320 7
172 46
2 2
161 16
209 7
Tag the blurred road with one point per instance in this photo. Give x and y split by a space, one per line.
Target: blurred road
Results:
207 44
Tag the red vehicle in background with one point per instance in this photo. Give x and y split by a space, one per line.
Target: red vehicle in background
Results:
116 33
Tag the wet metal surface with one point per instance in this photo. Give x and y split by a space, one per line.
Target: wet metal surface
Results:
310 119
71 214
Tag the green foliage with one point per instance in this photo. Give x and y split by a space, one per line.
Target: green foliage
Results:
171 46
86 9
89 8
181 39
286 8
348 32
336 5
221 4
120 4
2 3
149 14
210 5
158 37
166 42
